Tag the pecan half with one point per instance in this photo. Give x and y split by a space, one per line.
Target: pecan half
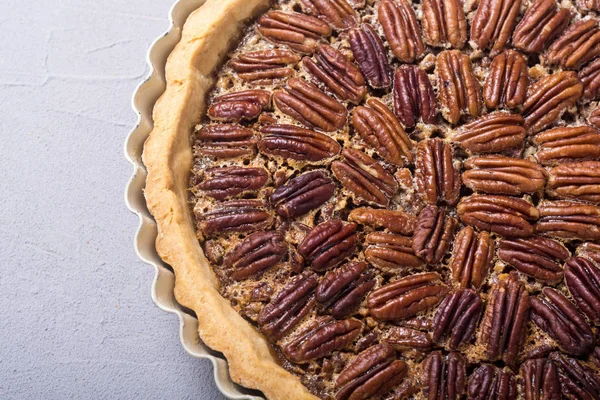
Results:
579 181
577 45
338 13
507 81
222 183
392 220
444 377
582 277
438 179
256 253
302 194
493 24
403 338
265 65
390 251
401 29
503 175
536 256
492 133
371 56
378 126
225 141
365 177
459 90
491 382
589 250
594 117
542 22
238 106
414 98
577 381
433 232
567 144
549 97
569 220
472 256
297 31
328 244
540 380
290 141
406 297
557 316
590 77
235 216
292 303
456 318
444 23
506 216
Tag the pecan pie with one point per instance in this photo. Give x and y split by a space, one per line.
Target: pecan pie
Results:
387 198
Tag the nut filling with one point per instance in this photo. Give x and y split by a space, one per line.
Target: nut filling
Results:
403 196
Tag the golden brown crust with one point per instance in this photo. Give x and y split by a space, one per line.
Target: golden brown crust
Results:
206 38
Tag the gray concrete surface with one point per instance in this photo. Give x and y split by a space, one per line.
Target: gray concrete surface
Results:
76 317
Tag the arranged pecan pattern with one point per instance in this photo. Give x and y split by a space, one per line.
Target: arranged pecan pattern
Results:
328 244
222 183
567 144
490 382
414 98
392 220
338 13
444 23
582 277
565 219
401 29
290 141
579 181
507 80
492 133
457 317
225 141
444 377
302 194
235 216
472 256
390 251
493 24
265 65
257 252
577 45
371 56
541 24
577 381
433 233
590 77
540 379
297 31
238 106
437 178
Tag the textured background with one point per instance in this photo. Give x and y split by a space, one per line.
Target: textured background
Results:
76 316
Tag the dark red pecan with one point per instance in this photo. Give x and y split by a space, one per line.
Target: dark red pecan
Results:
582 277
328 244
433 232
506 216
540 380
302 194
406 297
321 338
403 338
493 24
438 179
567 144
456 318
365 178
225 141
579 181
507 80
371 56
472 256
492 133
235 216
459 90
390 251
505 320
577 381
536 256
594 117
297 31
589 250
338 13
307 104
590 77
238 106
565 219
542 22
577 45
414 98
491 382
221 183
290 141
444 377
378 126
337 73
292 303
371 373
444 23
549 97
256 253
392 220
401 29
265 65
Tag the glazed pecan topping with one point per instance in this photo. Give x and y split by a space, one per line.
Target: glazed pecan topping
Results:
577 381
406 297
579 181
459 90
579 44
503 175
302 194
256 253
590 77
225 141
506 216
371 56
549 97
444 23
307 104
235 216
567 144
390 251
594 117
403 338
493 24
589 250
335 71
582 277
238 106
540 380
507 81
338 13
433 233
299 32
491 382
565 219
265 65
472 256
414 98
536 256
444 377
226 182
392 220
457 317
541 24
492 133
290 141
328 244
401 29
365 177
437 178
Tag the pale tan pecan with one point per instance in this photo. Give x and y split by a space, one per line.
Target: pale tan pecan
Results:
493 24
393 220
540 380
225 141
238 106
433 232
491 382
472 256
541 24
414 98
503 175
338 13
565 219
590 250
328 244
536 256
582 277
226 182
403 338
590 77
549 97
390 251
302 194
401 29
406 297
444 23
567 144
459 90
456 318
297 31
577 45
335 71
506 216
307 104
256 253
507 81
594 117
444 377
378 126
296 143
365 177
265 65
371 56
492 133
436 175
579 181
577 381
235 216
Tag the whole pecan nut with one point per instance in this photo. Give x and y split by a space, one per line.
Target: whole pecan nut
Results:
579 181
238 106
493 24
540 379
256 253
226 182
390 251
235 216
403 338
296 143
566 219
577 381
567 144
582 277
444 377
492 133
414 97
456 318
472 256
299 32
328 244
542 22
371 56
590 77
265 65
577 45
225 141
433 233
338 13
444 23
401 29
437 178
393 220
507 80
303 194
491 382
